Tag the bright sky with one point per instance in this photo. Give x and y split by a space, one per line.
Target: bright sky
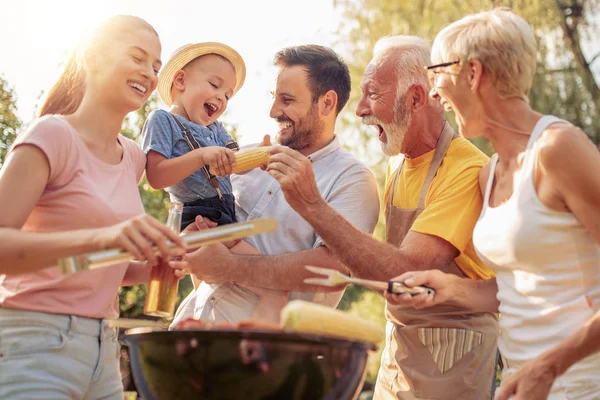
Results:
39 33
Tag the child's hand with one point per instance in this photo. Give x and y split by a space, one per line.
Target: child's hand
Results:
201 223
219 159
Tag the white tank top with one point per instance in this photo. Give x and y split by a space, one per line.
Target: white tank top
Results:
547 267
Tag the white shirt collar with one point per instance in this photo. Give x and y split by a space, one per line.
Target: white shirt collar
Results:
325 151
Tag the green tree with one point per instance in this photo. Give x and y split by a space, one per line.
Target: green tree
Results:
156 202
9 122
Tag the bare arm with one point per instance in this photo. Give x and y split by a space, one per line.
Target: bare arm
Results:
536 377
369 258
584 342
216 264
236 247
364 256
477 295
26 251
285 271
241 248
244 248
569 162
163 172
138 273
449 289
22 252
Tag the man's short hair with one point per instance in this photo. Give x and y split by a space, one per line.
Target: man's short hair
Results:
326 70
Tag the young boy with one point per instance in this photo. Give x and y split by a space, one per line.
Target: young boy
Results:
196 83
186 145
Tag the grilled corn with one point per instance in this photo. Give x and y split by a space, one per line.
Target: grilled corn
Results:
305 317
246 160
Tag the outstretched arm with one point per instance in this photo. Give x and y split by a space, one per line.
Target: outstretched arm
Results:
451 289
364 256
216 264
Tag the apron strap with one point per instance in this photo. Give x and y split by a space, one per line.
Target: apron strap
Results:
393 187
193 144
440 151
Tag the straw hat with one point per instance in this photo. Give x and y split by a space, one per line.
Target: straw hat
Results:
189 52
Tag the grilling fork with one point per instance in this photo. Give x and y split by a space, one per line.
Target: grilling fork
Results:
332 277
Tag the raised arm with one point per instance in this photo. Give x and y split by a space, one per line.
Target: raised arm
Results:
163 169
364 255
163 172
216 264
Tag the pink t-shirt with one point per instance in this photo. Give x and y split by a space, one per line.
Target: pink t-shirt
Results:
82 193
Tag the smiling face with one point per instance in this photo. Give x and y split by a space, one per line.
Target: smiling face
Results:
201 90
300 124
450 86
382 106
126 73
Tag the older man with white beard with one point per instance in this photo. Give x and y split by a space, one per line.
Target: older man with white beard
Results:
433 202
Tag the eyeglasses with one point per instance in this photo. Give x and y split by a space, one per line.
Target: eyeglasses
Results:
434 70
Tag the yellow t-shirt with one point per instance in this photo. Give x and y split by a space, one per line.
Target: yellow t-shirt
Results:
453 202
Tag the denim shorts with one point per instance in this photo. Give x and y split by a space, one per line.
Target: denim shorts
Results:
52 356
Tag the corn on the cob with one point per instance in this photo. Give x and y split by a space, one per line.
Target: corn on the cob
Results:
246 160
305 317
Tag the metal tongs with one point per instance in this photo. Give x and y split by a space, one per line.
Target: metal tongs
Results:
332 277
130 323
193 240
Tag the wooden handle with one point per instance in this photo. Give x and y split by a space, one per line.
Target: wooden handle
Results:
400 288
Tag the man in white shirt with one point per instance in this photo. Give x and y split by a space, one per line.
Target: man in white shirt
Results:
313 86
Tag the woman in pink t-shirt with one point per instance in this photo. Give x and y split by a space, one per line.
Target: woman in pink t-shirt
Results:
69 186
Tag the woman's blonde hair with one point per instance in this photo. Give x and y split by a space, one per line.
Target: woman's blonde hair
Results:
66 94
501 40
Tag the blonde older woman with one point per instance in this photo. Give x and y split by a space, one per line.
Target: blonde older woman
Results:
540 224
